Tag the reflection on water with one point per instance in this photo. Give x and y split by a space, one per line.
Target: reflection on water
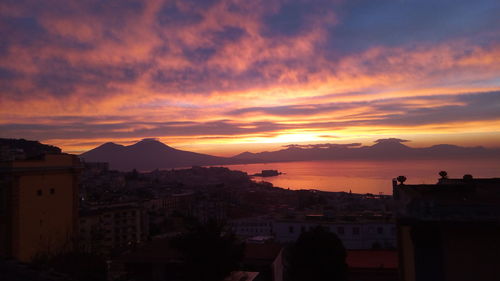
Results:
366 176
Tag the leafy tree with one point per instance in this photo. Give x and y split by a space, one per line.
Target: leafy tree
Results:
210 253
318 255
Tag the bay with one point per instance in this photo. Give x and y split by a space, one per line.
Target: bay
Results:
366 176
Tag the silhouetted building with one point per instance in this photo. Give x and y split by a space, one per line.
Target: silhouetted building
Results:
265 258
21 149
38 205
250 227
96 167
450 230
355 234
156 260
11 154
177 202
373 265
208 207
112 227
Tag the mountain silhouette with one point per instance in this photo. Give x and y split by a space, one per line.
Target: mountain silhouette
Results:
383 149
150 154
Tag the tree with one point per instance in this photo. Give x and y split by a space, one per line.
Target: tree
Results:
210 253
318 255
443 174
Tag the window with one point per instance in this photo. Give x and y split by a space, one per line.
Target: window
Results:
39 192
52 191
355 231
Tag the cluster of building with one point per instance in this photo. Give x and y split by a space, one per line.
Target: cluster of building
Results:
44 212
103 229
356 233
445 231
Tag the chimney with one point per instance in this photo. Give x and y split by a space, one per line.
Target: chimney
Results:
395 192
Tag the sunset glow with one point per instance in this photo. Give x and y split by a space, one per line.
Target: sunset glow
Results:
228 76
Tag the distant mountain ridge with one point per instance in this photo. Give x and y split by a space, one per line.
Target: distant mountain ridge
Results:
383 149
150 154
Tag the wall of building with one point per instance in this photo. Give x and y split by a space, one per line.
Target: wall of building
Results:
470 251
278 267
249 227
45 214
406 253
43 205
107 228
356 235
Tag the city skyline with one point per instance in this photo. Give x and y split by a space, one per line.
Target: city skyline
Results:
223 77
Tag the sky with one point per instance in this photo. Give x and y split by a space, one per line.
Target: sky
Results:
228 76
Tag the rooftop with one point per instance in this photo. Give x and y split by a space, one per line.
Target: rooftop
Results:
265 251
372 259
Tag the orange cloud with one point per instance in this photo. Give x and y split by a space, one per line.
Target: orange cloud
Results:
258 71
